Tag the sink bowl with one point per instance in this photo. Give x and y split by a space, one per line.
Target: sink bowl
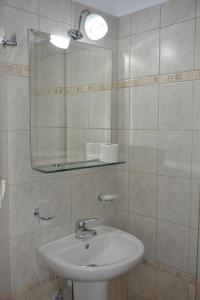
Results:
109 254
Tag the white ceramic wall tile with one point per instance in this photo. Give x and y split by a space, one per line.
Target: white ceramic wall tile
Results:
196 114
194 210
23 260
77 67
99 136
123 108
143 151
50 70
177 47
146 19
176 106
173 245
198 8
85 196
48 145
52 26
143 194
57 193
18 101
174 11
124 26
56 232
2 31
121 220
145 54
174 200
19 162
21 22
122 190
197 46
123 141
3 103
76 140
101 102
145 229
144 107
49 112
28 5
196 155
124 58
98 59
174 152
77 110
23 199
60 11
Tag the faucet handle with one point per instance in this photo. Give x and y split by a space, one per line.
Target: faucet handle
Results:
81 223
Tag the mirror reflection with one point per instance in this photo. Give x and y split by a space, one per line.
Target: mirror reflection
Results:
71 97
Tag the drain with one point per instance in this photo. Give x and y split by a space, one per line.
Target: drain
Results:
87 246
92 265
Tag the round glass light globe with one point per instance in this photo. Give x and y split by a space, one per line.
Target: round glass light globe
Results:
95 27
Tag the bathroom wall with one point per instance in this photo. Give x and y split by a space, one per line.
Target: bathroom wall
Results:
158 122
4 229
73 194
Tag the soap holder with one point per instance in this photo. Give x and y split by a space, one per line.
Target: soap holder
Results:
37 214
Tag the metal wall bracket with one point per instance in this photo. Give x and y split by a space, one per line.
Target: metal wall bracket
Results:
36 213
9 42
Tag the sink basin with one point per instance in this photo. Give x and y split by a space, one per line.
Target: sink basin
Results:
109 254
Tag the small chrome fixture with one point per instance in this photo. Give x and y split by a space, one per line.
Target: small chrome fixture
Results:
95 27
12 42
102 197
82 231
36 213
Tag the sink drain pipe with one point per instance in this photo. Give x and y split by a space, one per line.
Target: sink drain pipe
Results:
60 294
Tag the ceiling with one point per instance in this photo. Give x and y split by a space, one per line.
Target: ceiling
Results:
119 8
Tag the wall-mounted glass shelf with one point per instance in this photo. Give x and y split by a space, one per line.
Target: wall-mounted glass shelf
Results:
73 166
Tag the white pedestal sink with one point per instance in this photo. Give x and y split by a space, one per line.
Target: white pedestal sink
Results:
90 263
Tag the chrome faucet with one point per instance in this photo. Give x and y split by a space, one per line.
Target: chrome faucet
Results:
82 231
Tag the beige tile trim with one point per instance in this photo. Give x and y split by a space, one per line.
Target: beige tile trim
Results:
107 86
158 79
73 90
10 69
189 278
133 82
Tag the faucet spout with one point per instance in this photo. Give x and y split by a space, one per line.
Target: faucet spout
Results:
82 231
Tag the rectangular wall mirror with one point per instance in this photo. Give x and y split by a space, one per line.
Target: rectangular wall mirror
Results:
71 101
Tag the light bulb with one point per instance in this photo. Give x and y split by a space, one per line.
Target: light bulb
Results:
59 41
95 27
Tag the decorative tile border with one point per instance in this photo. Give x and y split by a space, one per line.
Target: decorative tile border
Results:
21 70
10 69
158 79
107 86
187 277
51 279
